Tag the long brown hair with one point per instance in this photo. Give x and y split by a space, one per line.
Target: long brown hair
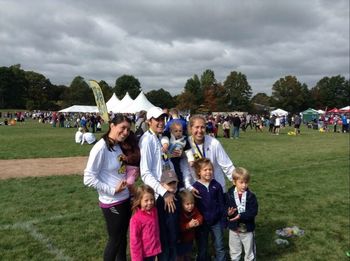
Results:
118 118
141 190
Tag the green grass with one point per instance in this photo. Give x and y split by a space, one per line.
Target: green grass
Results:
302 181
31 139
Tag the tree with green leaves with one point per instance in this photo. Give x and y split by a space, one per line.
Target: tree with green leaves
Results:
238 90
161 98
127 83
331 92
78 93
37 92
13 87
106 90
208 78
290 95
193 86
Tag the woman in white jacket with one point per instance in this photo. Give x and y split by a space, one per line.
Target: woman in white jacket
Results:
106 173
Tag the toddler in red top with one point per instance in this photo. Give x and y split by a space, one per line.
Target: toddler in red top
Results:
190 219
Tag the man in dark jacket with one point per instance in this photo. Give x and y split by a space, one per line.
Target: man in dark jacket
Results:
236 122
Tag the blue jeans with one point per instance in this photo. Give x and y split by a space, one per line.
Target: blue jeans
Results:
217 234
235 132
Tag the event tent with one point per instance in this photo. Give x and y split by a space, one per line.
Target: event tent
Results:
279 112
309 115
321 112
345 109
334 110
112 103
80 108
141 103
125 104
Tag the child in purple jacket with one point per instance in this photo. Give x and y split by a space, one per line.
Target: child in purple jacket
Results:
212 207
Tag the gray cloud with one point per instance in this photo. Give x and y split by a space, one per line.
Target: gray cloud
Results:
163 43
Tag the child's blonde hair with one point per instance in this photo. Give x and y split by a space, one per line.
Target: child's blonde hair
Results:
175 123
186 195
201 163
141 190
241 174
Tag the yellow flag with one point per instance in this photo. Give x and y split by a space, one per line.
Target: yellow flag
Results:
100 101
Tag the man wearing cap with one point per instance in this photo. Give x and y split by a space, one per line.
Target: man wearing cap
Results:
152 166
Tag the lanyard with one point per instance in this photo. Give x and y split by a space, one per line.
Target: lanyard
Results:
196 150
241 204
164 156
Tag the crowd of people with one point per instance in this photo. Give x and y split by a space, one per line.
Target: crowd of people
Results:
182 198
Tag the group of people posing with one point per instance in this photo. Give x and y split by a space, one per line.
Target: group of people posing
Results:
182 198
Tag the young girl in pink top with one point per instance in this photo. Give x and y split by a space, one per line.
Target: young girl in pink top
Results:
144 228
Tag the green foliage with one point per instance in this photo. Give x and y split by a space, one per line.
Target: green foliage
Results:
208 78
299 180
127 83
161 98
13 87
106 90
288 93
37 96
331 92
31 139
239 91
193 86
78 93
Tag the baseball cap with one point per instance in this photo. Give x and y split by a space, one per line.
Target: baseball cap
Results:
168 176
154 112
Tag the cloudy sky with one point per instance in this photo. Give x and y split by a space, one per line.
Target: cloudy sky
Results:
164 42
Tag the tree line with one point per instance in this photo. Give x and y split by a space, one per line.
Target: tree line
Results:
31 90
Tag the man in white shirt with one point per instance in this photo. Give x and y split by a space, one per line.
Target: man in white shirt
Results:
88 137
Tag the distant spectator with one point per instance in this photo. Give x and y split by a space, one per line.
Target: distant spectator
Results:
88 137
79 135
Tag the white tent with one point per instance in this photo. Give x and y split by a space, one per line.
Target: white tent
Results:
125 104
346 108
141 103
80 108
321 111
113 103
279 112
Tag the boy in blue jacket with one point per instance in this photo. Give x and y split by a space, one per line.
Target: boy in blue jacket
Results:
241 211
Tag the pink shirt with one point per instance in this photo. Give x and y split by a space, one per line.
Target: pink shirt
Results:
144 235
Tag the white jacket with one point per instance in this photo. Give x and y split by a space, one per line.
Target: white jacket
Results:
222 164
102 172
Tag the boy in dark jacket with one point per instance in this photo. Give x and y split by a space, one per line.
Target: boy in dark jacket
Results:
241 211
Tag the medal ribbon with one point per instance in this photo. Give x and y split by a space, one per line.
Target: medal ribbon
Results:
196 150
164 156
240 203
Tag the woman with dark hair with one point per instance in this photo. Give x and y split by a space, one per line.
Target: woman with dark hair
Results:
106 173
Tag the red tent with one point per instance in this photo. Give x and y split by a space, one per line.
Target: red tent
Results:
334 110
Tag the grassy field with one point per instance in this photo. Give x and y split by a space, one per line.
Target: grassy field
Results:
302 181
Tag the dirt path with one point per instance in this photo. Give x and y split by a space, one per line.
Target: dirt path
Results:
21 168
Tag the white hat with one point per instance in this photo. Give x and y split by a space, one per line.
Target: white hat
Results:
154 112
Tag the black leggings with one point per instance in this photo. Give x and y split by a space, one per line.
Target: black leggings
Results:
117 221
